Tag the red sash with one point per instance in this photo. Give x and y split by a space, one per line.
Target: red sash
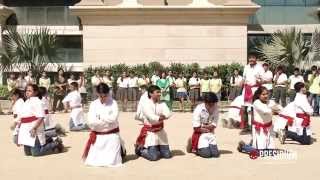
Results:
28 119
288 118
248 94
92 140
143 133
259 126
306 119
195 139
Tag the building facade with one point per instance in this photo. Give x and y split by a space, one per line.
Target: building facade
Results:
105 32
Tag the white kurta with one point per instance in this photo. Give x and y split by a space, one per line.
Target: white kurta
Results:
151 114
106 151
280 123
251 75
262 114
49 122
201 116
74 100
233 112
31 107
139 113
16 110
301 106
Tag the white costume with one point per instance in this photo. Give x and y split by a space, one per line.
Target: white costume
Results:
31 110
302 106
74 100
235 109
281 120
16 110
103 119
261 125
251 75
49 123
139 113
201 117
267 76
151 113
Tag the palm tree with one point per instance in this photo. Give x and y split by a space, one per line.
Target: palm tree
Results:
30 50
290 48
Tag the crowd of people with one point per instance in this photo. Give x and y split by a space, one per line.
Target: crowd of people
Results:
261 114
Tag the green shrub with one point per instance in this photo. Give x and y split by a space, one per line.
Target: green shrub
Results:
4 93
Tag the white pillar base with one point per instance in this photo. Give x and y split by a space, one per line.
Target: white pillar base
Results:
129 3
201 3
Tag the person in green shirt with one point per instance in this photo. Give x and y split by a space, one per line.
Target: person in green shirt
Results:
164 84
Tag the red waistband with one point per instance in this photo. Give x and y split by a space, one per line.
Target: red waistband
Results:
288 118
305 117
28 119
143 133
93 137
264 126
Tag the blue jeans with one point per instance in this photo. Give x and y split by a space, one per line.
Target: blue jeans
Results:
154 153
247 148
304 139
209 152
73 127
39 150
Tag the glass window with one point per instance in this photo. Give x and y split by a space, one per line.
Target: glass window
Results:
56 16
36 15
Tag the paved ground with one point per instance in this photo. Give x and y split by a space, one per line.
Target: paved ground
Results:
231 164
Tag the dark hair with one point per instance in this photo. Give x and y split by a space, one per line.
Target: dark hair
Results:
314 68
265 64
210 97
258 92
103 88
35 89
75 85
17 92
280 68
152 88
298 86
297 69
42 92
252 54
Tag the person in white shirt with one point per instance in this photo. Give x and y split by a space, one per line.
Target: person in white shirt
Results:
155 77
299 129
204 122
123 85
180 83
236 82
266 78
82 88
108 79
105 146
194 92
17 103
280 91
152 142
31 133
234 114
95 81
73 101
29 78
293 79
133 90
252 80
44 81
263 109
11 82
21 82
143 83
72 79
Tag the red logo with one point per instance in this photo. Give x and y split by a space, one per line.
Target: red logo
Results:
254 154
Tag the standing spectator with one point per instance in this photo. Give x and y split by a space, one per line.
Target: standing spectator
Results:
72 79
44 81
314 89
204 85
293 79
60 90
108 79
11 82
123 85
266 78
180 83
194 93
143 83
236 81
172 87
82 88
280 80
133 90
164 85
29 78
21 83
155 77
216 84
95 81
